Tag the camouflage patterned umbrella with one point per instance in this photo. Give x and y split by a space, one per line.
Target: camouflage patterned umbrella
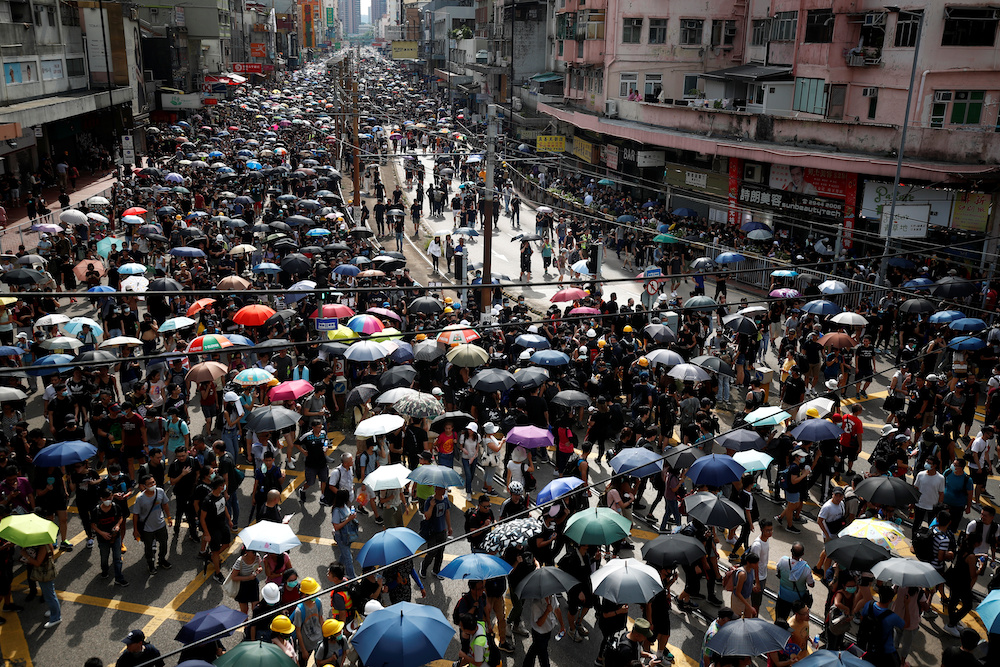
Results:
511 533
419 405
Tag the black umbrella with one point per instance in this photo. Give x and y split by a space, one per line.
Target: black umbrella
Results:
740 324
543 582
23 277
916 306
272 418
393 253
571 398
159 238
951 287
890 491
360 395
666 550
492 379
527 237
273 342
98 357
427 350
703 264
661 333
712 510
164 285
398 376
295 220
427 305
281 316
714 364
680 458
458 419
748 637
531 377
336 349
337 247
361 232
740 440
856 553
280 226
388 263
296 263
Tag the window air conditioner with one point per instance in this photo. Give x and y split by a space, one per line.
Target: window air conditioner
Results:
611 108
942 96
869 92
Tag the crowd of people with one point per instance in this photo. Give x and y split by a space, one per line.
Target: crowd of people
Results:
189 373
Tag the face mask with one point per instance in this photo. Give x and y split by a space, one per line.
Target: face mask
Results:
955 469
851 589
113 478
293 584
50 480
106 503
927 466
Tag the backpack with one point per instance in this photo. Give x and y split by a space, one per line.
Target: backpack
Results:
620 652
469 513
870 637
729 580
572 465
784 479
311 625
530 483
988 539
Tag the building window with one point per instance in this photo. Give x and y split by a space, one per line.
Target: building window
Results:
600 81
561 43
74 67
20 12
761 30
579 48
969 27
38 15
657 31
652 84
628 82
967 109
872 106
755 93
723 33
819 26
50 15
810 95
591 23
691 30
783 26
691 85
631 31
908 28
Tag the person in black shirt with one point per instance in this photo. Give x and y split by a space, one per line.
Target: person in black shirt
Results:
864 359
139 652
794 389
480 517
183 474
106 521
313 445
85 481
154 466
216 523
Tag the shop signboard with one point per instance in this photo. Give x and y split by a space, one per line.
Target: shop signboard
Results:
550 143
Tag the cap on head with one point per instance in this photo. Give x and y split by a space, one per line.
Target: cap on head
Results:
134 637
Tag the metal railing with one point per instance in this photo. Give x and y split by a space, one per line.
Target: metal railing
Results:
21 233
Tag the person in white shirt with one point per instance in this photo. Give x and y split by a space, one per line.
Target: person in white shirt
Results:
988 529
832 519
930 485
762 547
543 614
979 461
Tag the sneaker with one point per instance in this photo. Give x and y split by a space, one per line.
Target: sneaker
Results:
930 615
302 496
987 494
218 577
572 634
121 582
793 529
103 575
521 632
52 624
952 630
90 543
48 614
715 602
507 646
582 631
669 656
165 564
379 520
151 567
65 546
362 511
802 518
13 607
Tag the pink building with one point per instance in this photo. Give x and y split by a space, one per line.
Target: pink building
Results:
717 102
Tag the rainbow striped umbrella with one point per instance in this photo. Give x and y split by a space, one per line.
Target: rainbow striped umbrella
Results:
209 343
365 324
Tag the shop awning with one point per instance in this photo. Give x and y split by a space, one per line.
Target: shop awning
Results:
751 73
545 77
62 106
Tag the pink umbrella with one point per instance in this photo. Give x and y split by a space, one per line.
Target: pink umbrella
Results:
290 390
585 310
333 310
530 437
569 294
365 324
385 312
785 293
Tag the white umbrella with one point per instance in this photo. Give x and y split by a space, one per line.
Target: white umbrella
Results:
98 218
823 405
849 319
626 580
97 200
62 343
832 287
72 216
750 310
243 249
379 425
366 350
122 340
396 394
135 284
689 373
269 537
50 320
384 478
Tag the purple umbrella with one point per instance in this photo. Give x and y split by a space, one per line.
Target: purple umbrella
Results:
530 437
785 293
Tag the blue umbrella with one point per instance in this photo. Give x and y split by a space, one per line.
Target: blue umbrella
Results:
435 475
753 225
817 430
682 212
533 341
557 488
49 365
403 352
101 288
210 622
989 612
972 324
64 453
550 358
389 546
966 343
403 635
626 218
821 307
185 251
637 462
651 204
254 165
946 316
919 283
729 258
11 351
347 270
477 567
825 658
784 273
466 231
318 231
266 267
663 228
237 339
715 470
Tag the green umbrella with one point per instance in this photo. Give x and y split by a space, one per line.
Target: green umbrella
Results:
666 238
180 190
255 654
28 530
104 245
598 526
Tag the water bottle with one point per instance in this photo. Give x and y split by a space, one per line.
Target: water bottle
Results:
815 642
562 633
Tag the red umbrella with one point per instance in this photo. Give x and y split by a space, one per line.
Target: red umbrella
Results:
333 310
135 210
291 390
253 315
569 294
198 305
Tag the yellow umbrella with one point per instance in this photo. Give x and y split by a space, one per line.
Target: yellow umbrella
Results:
389 333
342 333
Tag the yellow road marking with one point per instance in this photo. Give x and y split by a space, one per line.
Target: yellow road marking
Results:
15 645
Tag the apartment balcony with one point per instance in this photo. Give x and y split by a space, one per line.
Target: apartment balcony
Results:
592 54
863 57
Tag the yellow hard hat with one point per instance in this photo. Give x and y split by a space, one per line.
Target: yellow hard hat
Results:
420 337
627 328
602 343
813 412
332 627
448 299
643 361
449 309
282 625
308 586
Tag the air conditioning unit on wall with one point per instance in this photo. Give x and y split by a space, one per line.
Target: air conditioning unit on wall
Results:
753 173
611 108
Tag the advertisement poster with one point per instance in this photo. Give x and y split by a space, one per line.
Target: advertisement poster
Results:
18 73
52 70
550 143
971 211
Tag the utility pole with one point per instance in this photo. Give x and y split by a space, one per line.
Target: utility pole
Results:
486 294
354 139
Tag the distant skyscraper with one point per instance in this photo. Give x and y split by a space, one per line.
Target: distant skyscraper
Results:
377 11
350 16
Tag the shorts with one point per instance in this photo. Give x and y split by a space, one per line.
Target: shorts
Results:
660 624
851 453
574 604
313 473
218 539
814 369
792 497
133 453
978 476
210 411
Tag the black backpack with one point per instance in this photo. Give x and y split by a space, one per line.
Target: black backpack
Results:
870 633
621 651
